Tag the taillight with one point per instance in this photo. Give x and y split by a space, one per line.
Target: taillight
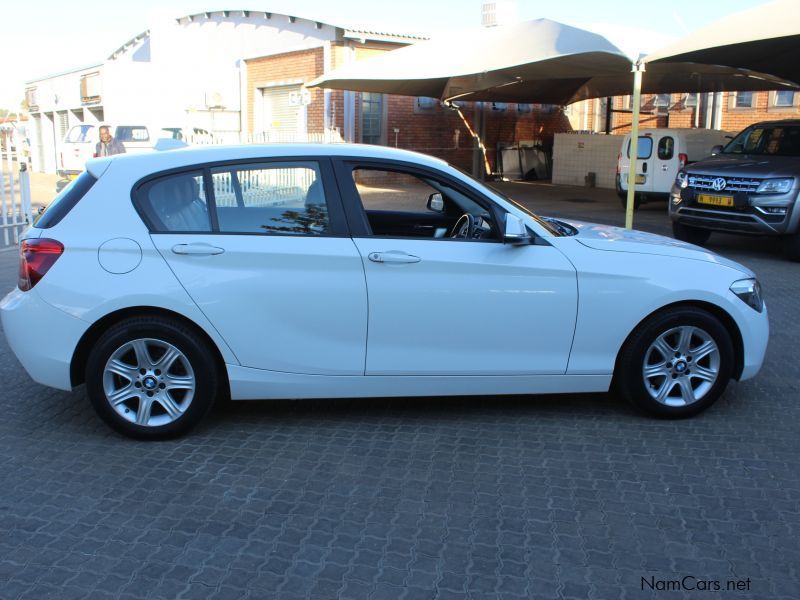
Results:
619 166
682 160
35 259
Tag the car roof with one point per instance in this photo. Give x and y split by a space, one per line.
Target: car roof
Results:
143 163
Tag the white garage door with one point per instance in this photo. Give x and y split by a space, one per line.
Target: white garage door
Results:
281 115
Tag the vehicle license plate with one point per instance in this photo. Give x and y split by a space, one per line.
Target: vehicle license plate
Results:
639 179
715 200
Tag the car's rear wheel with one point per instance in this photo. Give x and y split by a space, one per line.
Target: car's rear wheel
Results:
676 363
692 235
151 378
791 247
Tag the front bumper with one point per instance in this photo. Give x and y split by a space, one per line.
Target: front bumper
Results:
754 328
751 216
42 337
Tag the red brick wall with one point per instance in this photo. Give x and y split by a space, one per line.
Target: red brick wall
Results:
733 119
430 132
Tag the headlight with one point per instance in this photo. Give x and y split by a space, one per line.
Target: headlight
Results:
749 291
775 186
682 180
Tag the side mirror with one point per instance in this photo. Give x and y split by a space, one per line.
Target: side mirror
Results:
436 202
515 231
716 150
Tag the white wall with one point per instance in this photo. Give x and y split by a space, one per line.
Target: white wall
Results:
577 154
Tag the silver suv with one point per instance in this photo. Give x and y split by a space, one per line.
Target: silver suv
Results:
750 186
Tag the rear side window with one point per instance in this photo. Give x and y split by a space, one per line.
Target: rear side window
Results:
666 148
131 133
175 203
65 201
271 198
645 149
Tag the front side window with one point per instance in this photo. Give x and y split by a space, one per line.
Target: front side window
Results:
666 148
783 140
411 205
271 198
80 134
175 203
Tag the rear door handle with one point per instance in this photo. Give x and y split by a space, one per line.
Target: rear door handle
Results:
197 249
393 256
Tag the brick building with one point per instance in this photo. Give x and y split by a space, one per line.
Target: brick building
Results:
728 111
279 107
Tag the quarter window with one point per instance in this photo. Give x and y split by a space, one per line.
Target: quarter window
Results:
175 203
274 198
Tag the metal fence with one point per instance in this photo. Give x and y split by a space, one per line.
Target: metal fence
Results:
15 197
264 137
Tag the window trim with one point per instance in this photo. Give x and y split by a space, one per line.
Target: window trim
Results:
336 213
356 213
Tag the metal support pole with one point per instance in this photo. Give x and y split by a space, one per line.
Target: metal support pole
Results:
633 154
25 192
3 194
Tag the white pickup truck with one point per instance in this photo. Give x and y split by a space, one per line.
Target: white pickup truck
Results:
81 140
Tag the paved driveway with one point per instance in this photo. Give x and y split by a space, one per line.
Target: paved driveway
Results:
548 497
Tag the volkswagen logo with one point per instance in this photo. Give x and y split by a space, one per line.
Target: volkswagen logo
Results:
718 184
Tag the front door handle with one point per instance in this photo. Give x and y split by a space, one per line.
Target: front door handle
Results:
196 249
393 256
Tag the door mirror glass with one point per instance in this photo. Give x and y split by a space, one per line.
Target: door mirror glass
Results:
716 149
436 203
515 231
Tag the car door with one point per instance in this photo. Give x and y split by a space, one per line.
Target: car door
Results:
666 164
444 306
262 247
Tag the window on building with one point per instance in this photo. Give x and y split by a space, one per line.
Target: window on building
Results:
524 108
690 100
743 100
662 102
424 104
499 106
371 118
784 98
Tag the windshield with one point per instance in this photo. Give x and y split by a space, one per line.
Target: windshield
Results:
769 140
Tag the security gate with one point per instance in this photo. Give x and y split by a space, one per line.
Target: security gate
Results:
15 196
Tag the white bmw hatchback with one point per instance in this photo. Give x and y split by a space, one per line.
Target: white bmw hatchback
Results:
165 280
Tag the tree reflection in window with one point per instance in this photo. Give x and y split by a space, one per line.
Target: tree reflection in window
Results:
312 221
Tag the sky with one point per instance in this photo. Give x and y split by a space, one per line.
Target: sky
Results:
42 37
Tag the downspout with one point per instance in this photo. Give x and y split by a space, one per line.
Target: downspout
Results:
638 70
326 93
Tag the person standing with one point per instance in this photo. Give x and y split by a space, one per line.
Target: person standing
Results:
108 146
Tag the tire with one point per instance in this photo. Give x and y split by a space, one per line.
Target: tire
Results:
791 247
692 235
653 379
623 199
163 374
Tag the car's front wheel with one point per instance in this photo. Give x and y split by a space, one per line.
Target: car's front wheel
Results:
692 235
151 378
676 363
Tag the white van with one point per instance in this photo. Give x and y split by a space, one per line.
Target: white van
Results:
661 154
80 143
